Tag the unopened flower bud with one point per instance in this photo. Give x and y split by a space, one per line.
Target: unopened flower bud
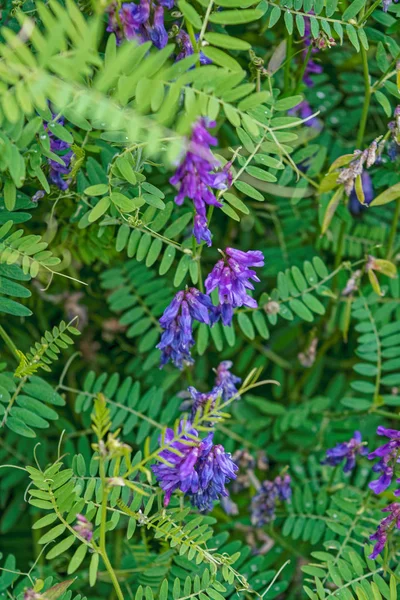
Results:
272 307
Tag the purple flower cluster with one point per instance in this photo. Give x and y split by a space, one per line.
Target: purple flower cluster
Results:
57 172
186 48
385 527
224 388
84 527
201 399
387 3
195 180
232 278
140 22
231 275
346 451
354 205
263 503
226 381
304 111
394 127
389 455
199 469
177 322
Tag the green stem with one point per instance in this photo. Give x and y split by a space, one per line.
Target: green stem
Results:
205 22
8 341
370 10
286 75
367 83
103 529
190 31
393 230
303 69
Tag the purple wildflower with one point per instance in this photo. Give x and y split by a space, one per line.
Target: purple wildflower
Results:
354 205
387 3
200 399
195 180
63 150
140 22
177 338
389 455
346 451
133 18
158 33
385 527
303 111
186 48
199 470
393 149
114 24
229 506
226 380
38 195
84 527
264 502
232 278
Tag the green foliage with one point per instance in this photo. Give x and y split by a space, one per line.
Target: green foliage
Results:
92 128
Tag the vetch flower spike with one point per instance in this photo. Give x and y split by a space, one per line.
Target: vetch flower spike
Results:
263 503
226 381
200 470
195 179
346 451
385 528
389 455
84 527
232 276
177 320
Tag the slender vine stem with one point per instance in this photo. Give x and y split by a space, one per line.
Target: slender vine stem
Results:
393 230
205 22
286 74
367 98
9 343
303 69
103 529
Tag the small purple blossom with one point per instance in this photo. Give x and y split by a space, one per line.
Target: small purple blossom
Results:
389 455
84 527
385 527
114 24
303 111
39 194
354 205
232 276
263 503
195 180
158 33
133 18
177 320
200 399
346 451
139 22
226 381
186 48
57 171
387 3
200 470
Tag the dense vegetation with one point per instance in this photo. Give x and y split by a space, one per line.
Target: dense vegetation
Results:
199 302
